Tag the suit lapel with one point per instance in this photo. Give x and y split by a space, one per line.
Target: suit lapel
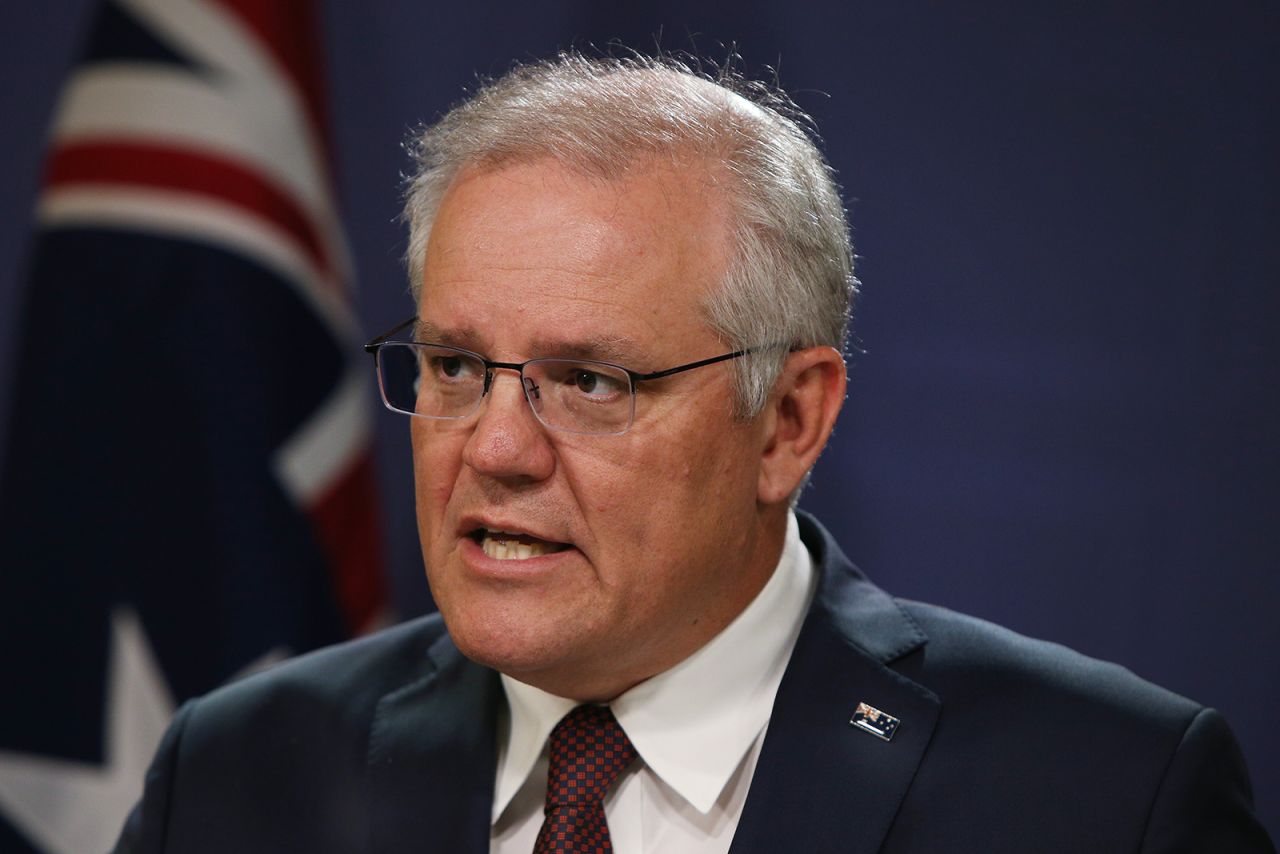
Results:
431 759
822 784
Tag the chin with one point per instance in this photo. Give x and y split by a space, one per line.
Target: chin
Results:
506 646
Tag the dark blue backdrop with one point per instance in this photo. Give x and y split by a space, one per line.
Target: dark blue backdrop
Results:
1066 415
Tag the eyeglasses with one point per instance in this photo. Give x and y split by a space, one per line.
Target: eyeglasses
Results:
572 395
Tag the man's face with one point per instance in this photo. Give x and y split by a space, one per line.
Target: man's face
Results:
643 544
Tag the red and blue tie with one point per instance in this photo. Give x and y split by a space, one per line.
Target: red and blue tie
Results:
588 751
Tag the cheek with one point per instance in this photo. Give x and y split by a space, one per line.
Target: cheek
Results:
639 489
437 459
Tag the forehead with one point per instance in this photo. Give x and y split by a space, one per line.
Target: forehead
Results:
528 255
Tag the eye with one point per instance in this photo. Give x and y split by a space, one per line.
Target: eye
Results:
595 383
449 367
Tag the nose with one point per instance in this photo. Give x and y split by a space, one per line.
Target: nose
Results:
508 442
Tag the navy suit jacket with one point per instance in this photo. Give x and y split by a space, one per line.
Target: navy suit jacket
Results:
386 745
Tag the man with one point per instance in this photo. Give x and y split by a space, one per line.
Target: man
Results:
632 287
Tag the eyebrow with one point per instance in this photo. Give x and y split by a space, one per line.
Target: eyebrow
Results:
600 348
426 331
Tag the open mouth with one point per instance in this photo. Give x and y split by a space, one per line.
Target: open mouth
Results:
505 545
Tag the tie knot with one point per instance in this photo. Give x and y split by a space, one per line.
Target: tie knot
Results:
587 753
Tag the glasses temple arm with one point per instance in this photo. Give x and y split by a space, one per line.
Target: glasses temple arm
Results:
689 367
381 339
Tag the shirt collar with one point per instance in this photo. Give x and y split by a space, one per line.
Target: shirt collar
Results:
692 724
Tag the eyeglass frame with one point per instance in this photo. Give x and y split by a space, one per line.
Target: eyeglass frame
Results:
489 365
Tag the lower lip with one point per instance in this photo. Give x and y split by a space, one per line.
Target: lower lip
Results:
513 569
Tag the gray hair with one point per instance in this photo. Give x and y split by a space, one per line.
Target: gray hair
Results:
790 279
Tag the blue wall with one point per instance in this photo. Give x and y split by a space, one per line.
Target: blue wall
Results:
1066 417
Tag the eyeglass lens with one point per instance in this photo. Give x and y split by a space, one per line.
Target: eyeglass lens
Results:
440 382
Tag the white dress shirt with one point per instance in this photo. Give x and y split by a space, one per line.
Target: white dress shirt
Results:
697 729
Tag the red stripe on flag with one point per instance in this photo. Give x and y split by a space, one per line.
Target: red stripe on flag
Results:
289 31
168 168
346 522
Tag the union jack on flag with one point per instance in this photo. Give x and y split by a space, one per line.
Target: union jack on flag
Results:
188 489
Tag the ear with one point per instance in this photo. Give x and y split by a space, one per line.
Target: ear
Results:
799 418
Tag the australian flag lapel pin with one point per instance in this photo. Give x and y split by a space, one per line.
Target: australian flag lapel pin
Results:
874 721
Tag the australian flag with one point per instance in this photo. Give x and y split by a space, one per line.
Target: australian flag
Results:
187 490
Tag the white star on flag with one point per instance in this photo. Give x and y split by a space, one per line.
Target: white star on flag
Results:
69 807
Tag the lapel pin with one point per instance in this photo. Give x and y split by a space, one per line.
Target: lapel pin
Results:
874 721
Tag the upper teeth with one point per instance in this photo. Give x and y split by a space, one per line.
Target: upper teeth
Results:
496 546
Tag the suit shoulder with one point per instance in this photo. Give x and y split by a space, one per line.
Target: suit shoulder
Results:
346 679
967 657
1095 757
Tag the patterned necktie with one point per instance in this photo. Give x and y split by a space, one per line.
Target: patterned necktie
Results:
588 752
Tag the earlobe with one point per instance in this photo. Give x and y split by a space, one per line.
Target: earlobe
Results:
802 413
